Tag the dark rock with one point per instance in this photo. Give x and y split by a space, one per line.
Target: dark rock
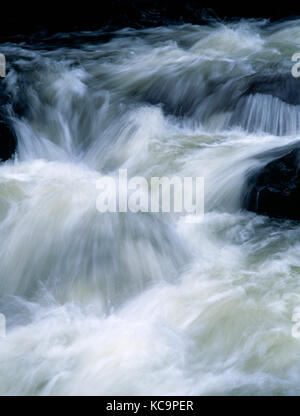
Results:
7 141
7 135
283 86
274 188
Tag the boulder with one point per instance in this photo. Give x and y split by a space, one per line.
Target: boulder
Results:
283 86
7 140
7 135
273 189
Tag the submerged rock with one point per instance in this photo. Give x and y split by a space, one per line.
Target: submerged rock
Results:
274 189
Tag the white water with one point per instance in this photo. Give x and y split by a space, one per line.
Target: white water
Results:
125 304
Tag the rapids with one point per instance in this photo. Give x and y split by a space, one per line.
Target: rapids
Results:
137 304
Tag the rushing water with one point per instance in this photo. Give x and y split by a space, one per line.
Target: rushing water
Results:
125 304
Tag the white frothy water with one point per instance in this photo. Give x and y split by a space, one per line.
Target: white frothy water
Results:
122 304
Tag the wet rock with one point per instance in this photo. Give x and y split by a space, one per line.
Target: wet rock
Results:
283 86
7 135
274 188
267 103
7 141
